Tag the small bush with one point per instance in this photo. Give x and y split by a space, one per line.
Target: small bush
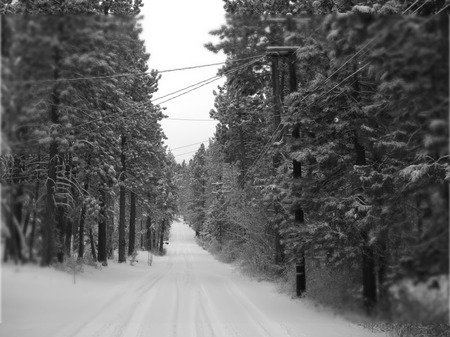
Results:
425 302
337 288
72 266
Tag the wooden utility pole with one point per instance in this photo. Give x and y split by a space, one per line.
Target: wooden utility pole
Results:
288 52
279 255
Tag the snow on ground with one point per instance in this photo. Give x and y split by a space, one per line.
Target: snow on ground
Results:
186 293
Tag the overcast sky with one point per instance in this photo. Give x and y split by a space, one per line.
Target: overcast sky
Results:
175 32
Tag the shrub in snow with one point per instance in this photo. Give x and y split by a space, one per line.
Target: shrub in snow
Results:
337 287
72 266
424 302
133 258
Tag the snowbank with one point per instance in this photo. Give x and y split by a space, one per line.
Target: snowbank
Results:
41 301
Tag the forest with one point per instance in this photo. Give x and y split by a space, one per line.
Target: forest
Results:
330 163
84 170
329 167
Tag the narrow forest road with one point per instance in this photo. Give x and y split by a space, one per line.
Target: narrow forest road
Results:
188 293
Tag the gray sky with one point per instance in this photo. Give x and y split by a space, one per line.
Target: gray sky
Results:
175 32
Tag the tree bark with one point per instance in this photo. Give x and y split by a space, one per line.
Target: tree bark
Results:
35 211
276 91
91 239
81 232
142 234
102 229
122 197
82 222
148 233
68 237
49 223
161 237
111 227
132 232
368 256
60 229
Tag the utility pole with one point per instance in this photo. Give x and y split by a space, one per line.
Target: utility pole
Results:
277 108
288 52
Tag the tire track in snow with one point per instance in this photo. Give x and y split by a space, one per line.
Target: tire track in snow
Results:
207 315
100 320
111 321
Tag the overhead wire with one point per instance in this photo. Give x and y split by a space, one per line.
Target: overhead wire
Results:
417 9
182 154
182 147
265 149
407 9
209 65
208 80
193 86
202 83
190 120
273 136
101 77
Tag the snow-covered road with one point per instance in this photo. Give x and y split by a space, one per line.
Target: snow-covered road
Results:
188 293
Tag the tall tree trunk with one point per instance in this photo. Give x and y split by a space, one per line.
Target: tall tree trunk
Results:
26 223
91 239
16 213
368 255
155 236
49 223
63 225
122 197
35 211
68 238
60 229
161 237
369 274
102 230
132 232
70 228
148 233
276 91
81 225
382 263
142 234
32 235
110 248
12 246
81 232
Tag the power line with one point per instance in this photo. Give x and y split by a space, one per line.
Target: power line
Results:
181 147
201 82
190 120
260 155
181 154
417 9
410 6
273 137
196 86
208 80
208 65
130 73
